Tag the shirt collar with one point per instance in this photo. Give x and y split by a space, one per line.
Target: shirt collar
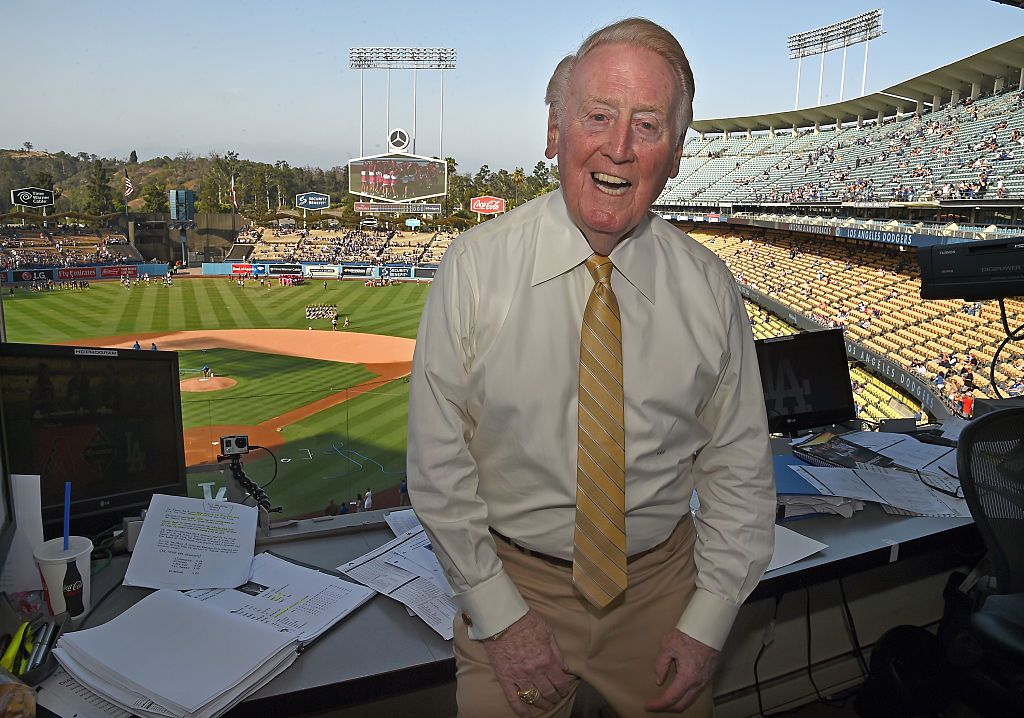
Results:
561 247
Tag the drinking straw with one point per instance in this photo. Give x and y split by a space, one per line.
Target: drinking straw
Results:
67 512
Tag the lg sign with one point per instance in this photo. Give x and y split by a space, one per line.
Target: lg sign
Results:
487 205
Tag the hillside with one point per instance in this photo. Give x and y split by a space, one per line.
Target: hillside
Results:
88 183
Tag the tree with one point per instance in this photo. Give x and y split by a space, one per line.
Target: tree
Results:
99 195
133 158
154 198
518 179
28 146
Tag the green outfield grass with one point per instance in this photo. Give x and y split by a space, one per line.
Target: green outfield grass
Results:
336 453
108 309
267 385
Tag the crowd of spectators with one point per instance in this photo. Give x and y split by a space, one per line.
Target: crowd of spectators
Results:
966 151
363 245
43 248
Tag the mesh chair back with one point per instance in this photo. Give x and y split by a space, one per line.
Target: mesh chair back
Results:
990 461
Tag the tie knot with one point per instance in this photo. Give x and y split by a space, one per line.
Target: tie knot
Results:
600 268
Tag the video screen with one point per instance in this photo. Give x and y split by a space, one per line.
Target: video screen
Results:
806 380
107 420
397 177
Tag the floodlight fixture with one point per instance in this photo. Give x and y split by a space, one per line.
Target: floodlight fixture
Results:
401 58
860 29
866 26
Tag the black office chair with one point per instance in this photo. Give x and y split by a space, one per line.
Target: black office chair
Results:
990 461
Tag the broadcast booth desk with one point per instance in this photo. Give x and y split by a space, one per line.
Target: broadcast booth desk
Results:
382 654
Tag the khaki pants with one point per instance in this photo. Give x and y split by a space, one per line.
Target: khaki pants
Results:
612 650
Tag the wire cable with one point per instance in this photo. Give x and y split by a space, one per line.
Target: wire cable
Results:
272 478
851 627
1011 336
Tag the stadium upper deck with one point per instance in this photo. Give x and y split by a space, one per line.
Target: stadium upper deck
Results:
954 134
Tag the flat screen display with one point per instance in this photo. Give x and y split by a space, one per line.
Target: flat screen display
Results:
806 380
107 420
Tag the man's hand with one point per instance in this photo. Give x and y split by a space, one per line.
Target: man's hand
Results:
527 657
695 664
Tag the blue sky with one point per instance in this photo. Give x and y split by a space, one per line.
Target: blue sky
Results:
270 80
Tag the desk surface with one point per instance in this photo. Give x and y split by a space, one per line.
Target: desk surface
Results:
381 650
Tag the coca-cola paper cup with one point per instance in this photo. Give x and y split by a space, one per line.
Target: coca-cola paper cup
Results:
66 574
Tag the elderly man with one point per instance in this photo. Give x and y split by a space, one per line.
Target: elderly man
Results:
581 368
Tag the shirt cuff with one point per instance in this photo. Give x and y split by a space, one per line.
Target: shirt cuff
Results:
491 606
708 619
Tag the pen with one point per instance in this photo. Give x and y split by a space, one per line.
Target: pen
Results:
36 659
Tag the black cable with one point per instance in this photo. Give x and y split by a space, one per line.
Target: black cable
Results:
1016 335
810 672
852 628
257 446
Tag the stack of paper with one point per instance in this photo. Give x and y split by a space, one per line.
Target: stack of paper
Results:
798 497
171 655
407 570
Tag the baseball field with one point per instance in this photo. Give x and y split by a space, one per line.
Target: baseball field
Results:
330 404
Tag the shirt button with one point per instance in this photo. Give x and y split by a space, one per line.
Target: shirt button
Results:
467 619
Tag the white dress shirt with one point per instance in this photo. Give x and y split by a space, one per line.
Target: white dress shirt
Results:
493 409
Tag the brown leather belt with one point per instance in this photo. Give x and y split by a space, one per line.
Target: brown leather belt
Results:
565 563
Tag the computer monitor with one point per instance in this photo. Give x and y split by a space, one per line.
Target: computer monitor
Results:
806 380
107 420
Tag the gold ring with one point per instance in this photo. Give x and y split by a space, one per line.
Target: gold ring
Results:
528 697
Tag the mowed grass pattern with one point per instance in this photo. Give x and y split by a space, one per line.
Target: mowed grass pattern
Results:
267 385
335 453
107 309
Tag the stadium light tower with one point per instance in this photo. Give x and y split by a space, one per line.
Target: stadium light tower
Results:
863 28
402 58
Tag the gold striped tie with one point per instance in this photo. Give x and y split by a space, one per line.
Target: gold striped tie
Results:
599 554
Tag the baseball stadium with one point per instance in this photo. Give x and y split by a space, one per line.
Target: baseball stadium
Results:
301 336
202 314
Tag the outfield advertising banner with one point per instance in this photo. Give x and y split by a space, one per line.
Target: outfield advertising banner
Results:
395 272
33 275
119 270
76 273
279 269
241 269
357 271
321 271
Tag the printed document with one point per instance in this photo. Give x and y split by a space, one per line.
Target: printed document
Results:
378 570
193 543
289 597
901 489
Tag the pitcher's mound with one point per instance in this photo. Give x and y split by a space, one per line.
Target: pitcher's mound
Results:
213 383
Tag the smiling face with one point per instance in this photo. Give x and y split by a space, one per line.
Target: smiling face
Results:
617 141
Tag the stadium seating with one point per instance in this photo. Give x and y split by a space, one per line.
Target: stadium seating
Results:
970 150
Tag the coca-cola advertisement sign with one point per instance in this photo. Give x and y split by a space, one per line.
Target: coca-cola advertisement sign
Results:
487 205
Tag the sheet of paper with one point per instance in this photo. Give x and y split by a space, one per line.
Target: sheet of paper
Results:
952 427
401 521
875 440
420 595
63 695
838 482
19 570
422 561
906 491
790 547
288 597
914 454
193 543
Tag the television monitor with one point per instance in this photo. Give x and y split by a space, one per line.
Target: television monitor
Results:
107 420
806 380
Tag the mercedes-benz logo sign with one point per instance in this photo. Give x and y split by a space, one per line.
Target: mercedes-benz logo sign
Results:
24 196
398 139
